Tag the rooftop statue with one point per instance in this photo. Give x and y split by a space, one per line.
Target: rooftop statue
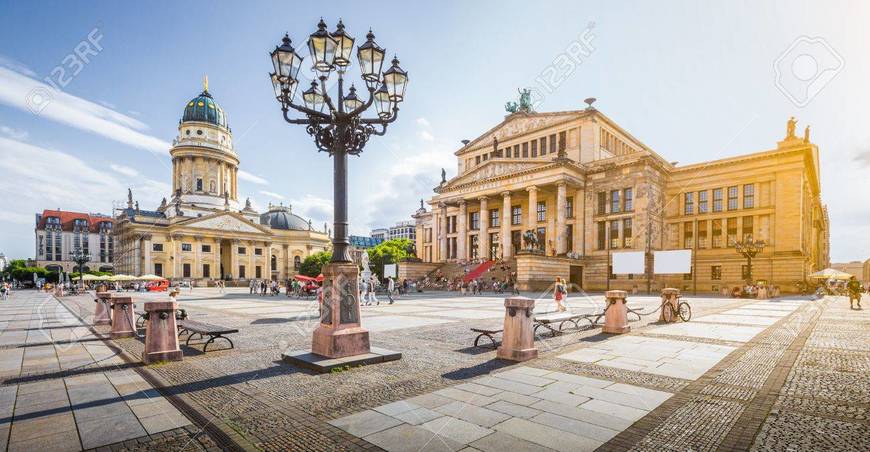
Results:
524 105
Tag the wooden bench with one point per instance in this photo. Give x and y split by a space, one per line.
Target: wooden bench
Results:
202 329
489 333
561 318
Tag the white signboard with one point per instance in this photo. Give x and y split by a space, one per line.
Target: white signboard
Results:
390 270
627 263
670 262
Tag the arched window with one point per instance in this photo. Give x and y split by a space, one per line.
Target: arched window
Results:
198 184
274 263
297 262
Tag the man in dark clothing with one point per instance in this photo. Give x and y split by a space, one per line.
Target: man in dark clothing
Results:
854 288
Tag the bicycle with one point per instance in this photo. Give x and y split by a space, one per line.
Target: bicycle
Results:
683 310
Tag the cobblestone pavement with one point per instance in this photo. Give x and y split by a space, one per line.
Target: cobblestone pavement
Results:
266 404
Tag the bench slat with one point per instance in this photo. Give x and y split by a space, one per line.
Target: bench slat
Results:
206 328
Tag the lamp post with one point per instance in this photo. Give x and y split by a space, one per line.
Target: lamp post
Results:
80 258
749 248
339 130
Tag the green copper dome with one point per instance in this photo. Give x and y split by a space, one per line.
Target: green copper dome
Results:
203 108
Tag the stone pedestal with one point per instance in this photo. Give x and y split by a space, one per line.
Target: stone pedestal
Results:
616 316
102 310
161 334
671 295
339 340
518 339
123 322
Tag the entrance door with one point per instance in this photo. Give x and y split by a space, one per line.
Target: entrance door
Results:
576 276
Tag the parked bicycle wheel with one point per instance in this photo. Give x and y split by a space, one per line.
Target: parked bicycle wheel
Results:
685 311
667 312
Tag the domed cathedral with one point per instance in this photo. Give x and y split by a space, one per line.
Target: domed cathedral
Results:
202 232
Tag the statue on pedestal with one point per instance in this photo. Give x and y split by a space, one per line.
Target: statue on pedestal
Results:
807 134
790 127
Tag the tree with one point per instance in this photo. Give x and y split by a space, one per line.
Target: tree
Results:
389 252
313 264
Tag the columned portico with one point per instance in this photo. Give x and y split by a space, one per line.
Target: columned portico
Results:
506 248
483 235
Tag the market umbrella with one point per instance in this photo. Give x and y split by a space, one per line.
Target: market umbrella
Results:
150 277
830 273
89 277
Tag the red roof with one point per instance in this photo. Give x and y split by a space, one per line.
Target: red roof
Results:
67 217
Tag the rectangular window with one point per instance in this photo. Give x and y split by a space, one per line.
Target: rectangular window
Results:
747 228
542 211
702 201
688 235
186 247
158 269
748 196
744 271
543 142
717 234
717 200
689 204
563 140
473 246
258 251
241 271
602 235
206 248
206 271
156 247
525 150
516 215
614 201
732 231
602 203
258 271
475 221
485 157
688 276
516 150
493 245
185 270
552 143
534 148
198 184
494 218
732 198
542 239
614 234
628 195
702 234
627 239
569 207
477 160
716 272
242 251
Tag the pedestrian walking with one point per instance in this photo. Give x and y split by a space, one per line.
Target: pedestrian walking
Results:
251 286
391 286
372 286
854 289
559 293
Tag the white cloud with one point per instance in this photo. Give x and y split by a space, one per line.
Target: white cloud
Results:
426 136
16 66
423 122
272 194
124 170
319 210
246 176
15 134
30 95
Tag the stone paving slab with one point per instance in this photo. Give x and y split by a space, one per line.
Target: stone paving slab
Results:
711 331
738 319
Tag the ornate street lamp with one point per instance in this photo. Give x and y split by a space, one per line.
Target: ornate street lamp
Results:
749 248
338 128
80 258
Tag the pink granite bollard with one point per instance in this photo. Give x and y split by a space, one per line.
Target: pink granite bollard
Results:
161 334
340 333
122 317
616 315
672 296
518 339
102 310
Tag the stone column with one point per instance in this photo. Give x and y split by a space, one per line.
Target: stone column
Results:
442 237
146 250
161 333
462 225
579 221
616 313
532 214
251 260
285 248
234 259
518 339
506 248
483 237
561 220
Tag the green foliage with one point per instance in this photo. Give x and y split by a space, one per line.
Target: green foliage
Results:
389 252
313 264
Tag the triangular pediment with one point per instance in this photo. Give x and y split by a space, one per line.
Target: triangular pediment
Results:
226 222
519 124
493 169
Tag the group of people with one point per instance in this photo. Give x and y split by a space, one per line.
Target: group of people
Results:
263 287
368 288
5 290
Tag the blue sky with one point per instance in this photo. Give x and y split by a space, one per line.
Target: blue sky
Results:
693 80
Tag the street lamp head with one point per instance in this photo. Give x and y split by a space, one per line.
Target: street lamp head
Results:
396 80
284 91
286 61
383 103
322 47
313 98
371 60
344 46
351 101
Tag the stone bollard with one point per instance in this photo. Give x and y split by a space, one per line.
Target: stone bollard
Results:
102 311
122 317
518 339
672 295
616 315
161 334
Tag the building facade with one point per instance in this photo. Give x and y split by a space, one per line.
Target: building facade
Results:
59 233
586 188
203 233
